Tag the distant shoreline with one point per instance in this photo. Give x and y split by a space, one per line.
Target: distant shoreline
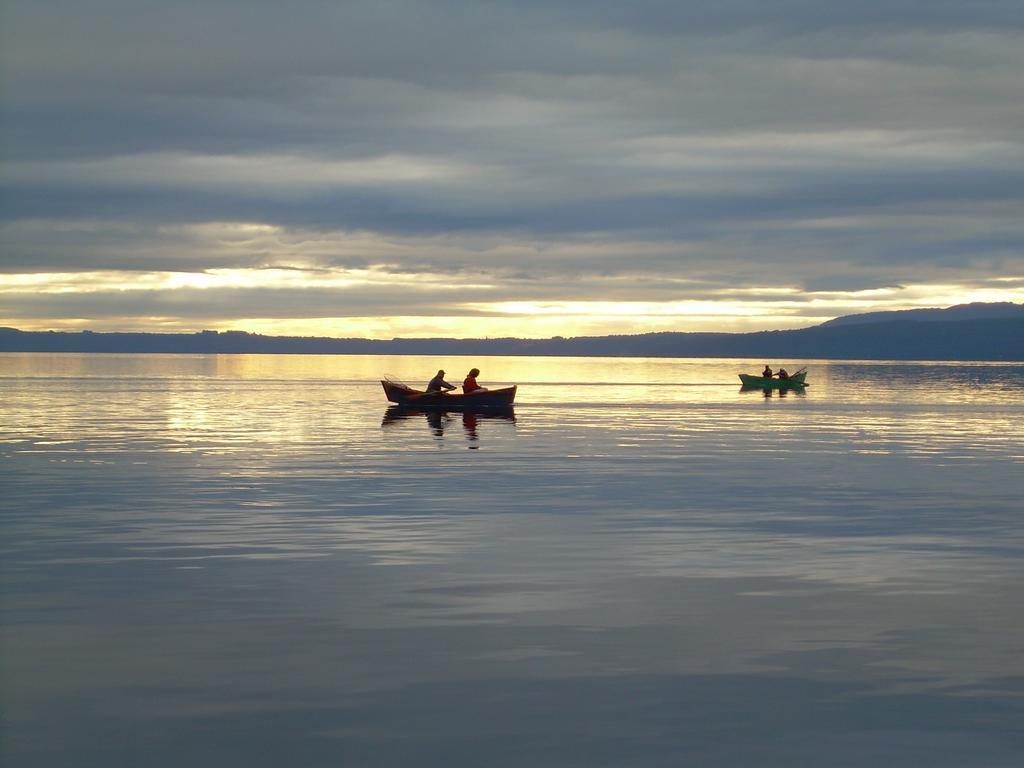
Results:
977 340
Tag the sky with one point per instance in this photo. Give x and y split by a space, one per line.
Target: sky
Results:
479 168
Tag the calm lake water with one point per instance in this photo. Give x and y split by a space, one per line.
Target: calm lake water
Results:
252 561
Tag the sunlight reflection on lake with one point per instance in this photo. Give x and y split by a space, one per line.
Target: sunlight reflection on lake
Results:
256 560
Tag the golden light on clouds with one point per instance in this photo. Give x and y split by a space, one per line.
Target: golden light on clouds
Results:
619 309
272 278
277 279
378 303
281 280
474 327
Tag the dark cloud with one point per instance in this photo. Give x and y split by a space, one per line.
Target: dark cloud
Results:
867 144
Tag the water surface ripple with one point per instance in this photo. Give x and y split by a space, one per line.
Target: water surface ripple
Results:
254 560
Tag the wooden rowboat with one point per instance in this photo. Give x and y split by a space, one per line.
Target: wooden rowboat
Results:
404 395
761 382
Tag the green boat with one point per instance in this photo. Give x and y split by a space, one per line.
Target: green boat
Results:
763 382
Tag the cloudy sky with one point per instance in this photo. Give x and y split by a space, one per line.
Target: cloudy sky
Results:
498 167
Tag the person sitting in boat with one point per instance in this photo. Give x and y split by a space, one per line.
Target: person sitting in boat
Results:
438 384
469 385
783 374
767 372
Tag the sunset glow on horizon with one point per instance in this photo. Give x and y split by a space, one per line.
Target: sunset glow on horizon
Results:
439 309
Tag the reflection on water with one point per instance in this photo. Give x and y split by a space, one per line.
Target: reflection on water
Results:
774 391
439 420
237 560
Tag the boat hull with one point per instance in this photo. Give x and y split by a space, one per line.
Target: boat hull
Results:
492 399
761 382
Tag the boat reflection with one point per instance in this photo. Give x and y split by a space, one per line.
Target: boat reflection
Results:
771 391
438 421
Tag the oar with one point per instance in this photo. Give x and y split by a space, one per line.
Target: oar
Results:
417 395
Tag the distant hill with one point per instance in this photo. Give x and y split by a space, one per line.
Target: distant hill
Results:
975 311
969 332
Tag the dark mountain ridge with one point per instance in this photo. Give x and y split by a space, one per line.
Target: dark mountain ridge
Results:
974 311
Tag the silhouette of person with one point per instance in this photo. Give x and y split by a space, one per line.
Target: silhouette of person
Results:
783 374
767 372
438 384
469 385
